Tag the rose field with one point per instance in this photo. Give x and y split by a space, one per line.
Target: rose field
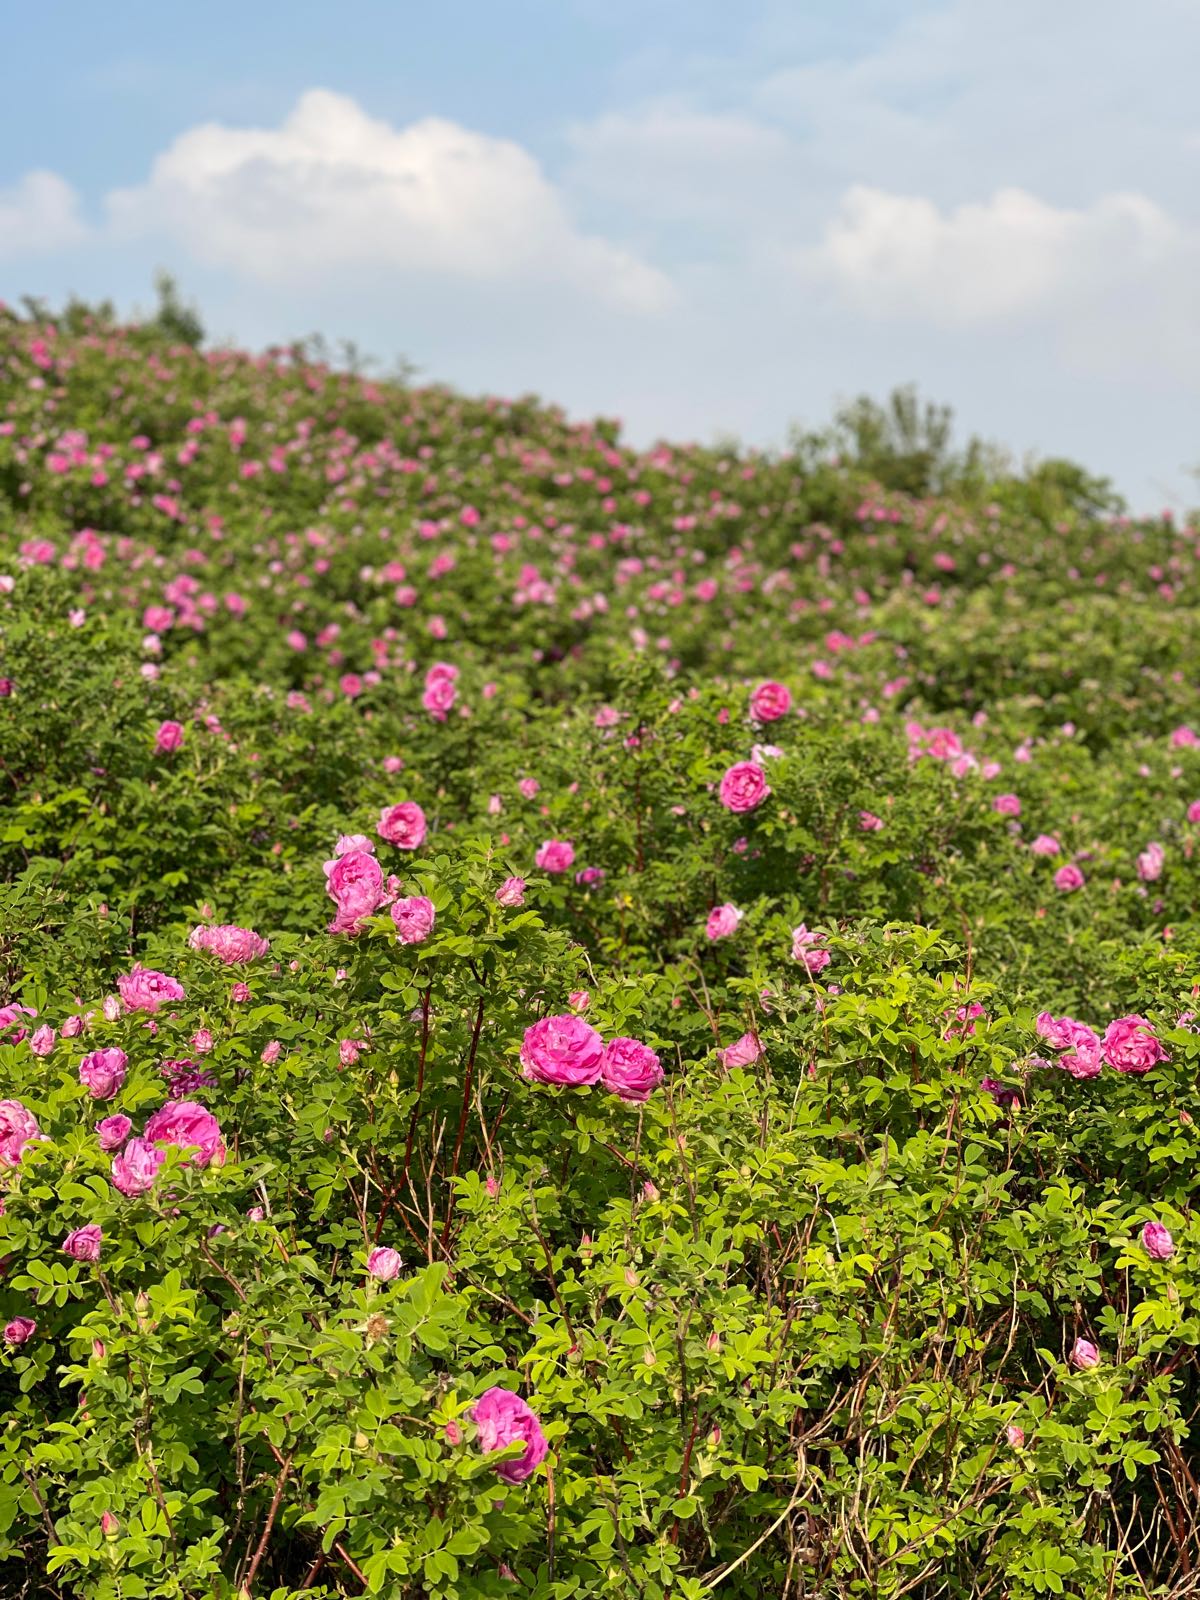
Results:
577 1021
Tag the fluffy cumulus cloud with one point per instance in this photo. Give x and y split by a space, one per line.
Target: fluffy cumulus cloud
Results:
39 214
333 188
1006 256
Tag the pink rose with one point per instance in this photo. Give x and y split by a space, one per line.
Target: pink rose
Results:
355 883
112 1133
1068 878
1158 1242
1007 805
722 921
869 822
631 1070
168 738
384 1264
1084 1355
1150 863
18 1127
20 1330
504 1419
43 1039
353 841
103 1072
402 825
743 1052
1193 811
1045 845
439 696
134 1171
769 702
803 942
1130 1045
229 944
143 989
511 892
563 1050
190 1126
1014 1435
555 855
414 918
579 1000
84 1244
743 787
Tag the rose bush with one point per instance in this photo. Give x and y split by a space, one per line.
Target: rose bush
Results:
735 1132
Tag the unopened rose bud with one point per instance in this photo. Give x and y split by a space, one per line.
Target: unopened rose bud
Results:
109 1526
714 1437
453 1433
112 1007
492 1186
1015 1435
99 1350
631 1277
713 1342
649 1359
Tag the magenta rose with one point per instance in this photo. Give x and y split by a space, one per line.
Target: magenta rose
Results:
402 825
630 1069
1130 1045
503 1419
807 947
743 787
769 702
168 738
134 1171
722 921
21 1329
229 944
18 1127
190 1126
439 695
85 1243
112 1133
143 989
103 1072
355 884
1084 1355
743 1052
414 919
556 855
1158 1242
1068 878
564 1050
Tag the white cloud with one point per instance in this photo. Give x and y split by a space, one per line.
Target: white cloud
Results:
1011 256
334 189
38 214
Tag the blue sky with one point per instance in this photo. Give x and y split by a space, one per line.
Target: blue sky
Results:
704 219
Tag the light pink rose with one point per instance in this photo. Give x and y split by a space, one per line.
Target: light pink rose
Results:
403 825
1068 878
1150 863
562 1050
1045 845
42 1042
555 855
630 1069
414 919
1130 1045
1007 805
743 787
1084 1355
869 822
511 892
503 1419
143 989
190 1126
103 1072
770 701
384 1264
722 921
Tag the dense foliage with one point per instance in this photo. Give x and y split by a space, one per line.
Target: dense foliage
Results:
579 1022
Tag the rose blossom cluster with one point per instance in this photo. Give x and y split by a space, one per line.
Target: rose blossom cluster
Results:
567 1051
1129 1045
183 1123
234 946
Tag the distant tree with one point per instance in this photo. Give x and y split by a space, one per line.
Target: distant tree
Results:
177 322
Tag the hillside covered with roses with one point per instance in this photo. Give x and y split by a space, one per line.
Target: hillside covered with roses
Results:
578 1021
